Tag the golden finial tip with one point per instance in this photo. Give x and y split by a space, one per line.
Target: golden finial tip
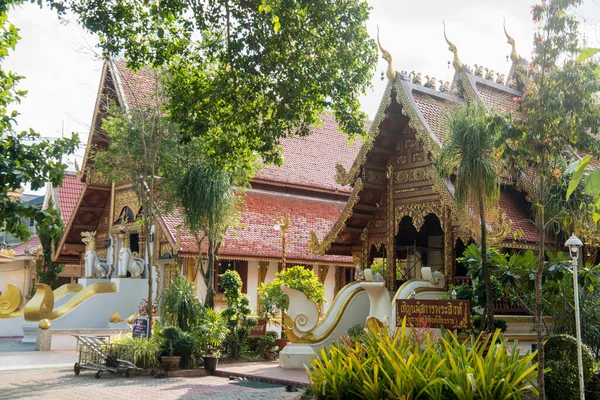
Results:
45 324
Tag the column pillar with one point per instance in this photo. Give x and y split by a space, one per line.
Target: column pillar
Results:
390 246
448 246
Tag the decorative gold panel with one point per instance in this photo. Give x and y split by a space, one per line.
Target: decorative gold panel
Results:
126 198
417 212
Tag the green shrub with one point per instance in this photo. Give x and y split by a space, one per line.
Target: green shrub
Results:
146 351
476 321
179 343
563 377
356 331
592 390
210 334
236 314
179 305
381 367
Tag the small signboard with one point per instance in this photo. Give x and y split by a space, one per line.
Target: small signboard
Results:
140 327
451 314
260 329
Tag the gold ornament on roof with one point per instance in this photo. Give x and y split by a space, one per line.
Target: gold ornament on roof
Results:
417 78
489 74
478 70
514 56
500 78
390 72
445 86
431 82
456 63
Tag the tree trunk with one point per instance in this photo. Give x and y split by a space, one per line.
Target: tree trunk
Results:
539 315
487 280
147 229
209 300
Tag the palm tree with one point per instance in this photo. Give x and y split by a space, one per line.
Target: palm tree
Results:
207 199
468 154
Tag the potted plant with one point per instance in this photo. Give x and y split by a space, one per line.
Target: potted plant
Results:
210 335
170 362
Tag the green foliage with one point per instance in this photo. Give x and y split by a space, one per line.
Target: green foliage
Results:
179 306
476 323
146 352
561 359
242 77
356 331
399 367
274 300
24 156
50 231
265 346
179 343
210 333
236 314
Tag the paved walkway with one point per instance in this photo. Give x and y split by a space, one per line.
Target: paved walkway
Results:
269 370
62 384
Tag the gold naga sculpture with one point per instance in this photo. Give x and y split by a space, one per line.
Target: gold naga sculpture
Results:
489 74
456 63
390 73
500 78
10 300
514 56
478 70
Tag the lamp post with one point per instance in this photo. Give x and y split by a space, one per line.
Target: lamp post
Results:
574 244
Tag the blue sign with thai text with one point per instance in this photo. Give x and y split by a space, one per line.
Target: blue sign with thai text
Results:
140 328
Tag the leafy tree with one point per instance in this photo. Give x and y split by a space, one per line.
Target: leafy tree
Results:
24 157
244 74
139 138
469 154
49 230
207 199
559 112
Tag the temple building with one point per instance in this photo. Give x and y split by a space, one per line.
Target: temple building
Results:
400 211
303 188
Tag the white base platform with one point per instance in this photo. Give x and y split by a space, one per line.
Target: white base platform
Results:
296 356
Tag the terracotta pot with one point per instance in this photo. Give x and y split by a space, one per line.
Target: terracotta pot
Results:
281 343
170 363
210 364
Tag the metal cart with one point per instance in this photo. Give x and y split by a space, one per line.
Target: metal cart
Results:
98 354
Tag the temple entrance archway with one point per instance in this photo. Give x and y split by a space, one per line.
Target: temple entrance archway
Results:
417 248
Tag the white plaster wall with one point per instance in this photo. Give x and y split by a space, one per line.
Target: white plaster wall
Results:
329 287
13 273
200 288
271 272
252 284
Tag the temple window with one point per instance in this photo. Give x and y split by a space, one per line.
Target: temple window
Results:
224 265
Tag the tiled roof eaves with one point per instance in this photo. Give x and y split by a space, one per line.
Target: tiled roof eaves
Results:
474 80
313 188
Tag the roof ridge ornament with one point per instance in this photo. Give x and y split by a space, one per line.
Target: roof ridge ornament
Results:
390 72
456 63
514 56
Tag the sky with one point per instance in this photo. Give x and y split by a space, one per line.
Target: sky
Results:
62 68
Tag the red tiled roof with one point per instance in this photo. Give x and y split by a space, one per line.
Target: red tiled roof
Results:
33 243
310 161
521 223
497 99
256 237
68 195
435 110
139 86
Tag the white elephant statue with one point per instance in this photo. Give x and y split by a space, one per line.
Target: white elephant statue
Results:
127 260
94 265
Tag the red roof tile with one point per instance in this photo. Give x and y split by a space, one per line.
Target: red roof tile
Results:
33 243
139 86
497 99
435 110
310 161
256 237
68 195
521 223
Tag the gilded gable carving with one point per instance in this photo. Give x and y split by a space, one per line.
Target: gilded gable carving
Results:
417 212
126 198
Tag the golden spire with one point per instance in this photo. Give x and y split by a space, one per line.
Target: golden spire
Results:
514 56
391 72
456 63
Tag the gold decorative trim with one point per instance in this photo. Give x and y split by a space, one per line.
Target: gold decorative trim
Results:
501 230
64 290
309 337
10 300
41 304
86 293
319 248
417 212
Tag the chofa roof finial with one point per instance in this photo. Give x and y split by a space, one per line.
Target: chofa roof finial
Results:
456 63
514 56
390 72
